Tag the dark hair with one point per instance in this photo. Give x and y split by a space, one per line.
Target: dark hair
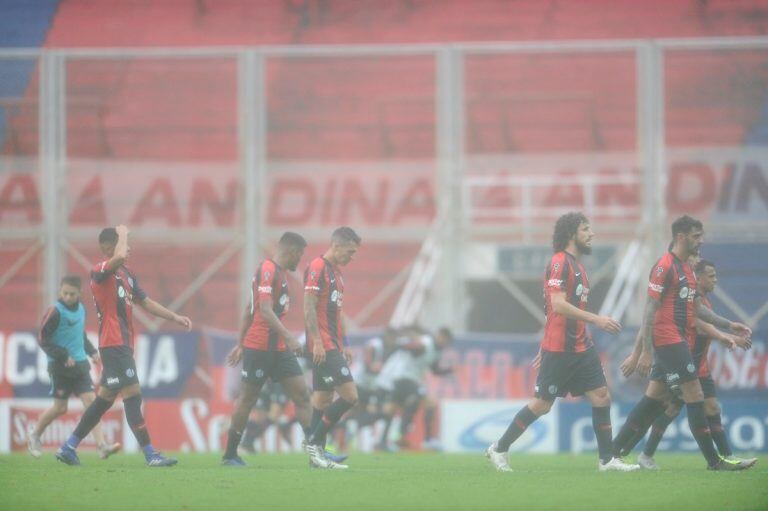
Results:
446 334
108 235
292 240
72 280
684 225
703 263
344 235
565 228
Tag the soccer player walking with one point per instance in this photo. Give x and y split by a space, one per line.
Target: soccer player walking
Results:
63 338
667 333
267 348
706 280
115 289
325 330
569 360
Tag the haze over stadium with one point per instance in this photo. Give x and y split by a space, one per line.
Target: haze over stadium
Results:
494 190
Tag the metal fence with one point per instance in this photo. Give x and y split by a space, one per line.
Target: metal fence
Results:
208 154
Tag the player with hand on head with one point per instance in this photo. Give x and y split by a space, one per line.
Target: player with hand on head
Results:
115 290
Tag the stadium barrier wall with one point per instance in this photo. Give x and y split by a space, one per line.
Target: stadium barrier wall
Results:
188 391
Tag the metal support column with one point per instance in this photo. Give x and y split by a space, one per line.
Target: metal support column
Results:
651 146
252 142
51 154
450 177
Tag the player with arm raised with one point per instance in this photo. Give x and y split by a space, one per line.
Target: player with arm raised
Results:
323 298
569 360
115 290
267 349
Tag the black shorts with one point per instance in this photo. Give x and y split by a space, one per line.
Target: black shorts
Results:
562 373
118 369
66 381
406 392
673 364
331 373
260 365
708 386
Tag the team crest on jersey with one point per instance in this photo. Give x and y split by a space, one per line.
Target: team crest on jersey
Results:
659 270
121 291
579 290
284 300
684 292
266 275
556 267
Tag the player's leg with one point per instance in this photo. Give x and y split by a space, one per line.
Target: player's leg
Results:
320 400
388 410
497 451
601 422
91 416
640 418
135 418
430 407
297 391
291 378
658 428
714 416
57 409
347 392
105 450
697 420
246 400
407 396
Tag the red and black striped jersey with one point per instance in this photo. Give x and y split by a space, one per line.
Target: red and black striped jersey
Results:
325 281
270 282
114 293
565 274
673 284
700 350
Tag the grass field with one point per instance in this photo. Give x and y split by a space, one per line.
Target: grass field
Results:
375 481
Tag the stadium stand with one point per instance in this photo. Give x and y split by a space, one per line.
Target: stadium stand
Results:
360 109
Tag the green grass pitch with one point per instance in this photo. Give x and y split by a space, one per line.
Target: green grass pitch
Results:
375 482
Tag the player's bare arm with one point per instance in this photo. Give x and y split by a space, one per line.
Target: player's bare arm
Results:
121 249
158 310
236 354
649 322
730 341
561 306
313 330
268 313
706 314
630 363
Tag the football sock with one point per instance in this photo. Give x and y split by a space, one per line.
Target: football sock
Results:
697 421
524 418
601 422
88 421
385 432
135 420
233 440
429 419
638 421
657 432
718 435
407 419
329 419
